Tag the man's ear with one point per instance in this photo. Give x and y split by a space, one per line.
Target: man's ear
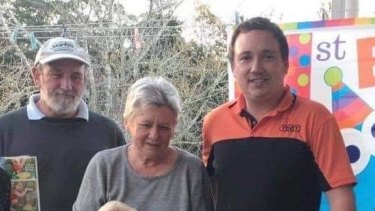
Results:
286 67
36 74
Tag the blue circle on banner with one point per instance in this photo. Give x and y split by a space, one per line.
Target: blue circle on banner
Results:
304 60
353 152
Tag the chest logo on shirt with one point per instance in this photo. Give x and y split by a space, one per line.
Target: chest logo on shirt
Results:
290 128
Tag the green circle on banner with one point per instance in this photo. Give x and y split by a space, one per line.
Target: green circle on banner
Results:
333 76
303 80
304 38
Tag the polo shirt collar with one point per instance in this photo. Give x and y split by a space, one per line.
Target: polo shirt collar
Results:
33 112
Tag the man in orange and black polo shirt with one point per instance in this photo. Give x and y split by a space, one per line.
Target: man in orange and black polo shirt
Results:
270 149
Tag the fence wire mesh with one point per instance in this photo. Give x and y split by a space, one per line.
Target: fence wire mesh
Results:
119 56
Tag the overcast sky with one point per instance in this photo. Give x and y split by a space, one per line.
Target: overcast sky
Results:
278 10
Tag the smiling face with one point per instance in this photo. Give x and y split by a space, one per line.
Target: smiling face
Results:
152 128
19 186
258 66
62 85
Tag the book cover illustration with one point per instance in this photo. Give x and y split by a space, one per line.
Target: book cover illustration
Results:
23 171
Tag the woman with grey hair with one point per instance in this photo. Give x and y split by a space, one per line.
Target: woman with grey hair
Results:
148 174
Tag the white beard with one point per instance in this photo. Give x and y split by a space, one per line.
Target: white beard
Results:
62 102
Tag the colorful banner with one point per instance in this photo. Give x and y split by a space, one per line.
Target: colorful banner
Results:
333 62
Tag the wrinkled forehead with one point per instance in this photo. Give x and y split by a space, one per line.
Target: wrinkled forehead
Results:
145 110
66 64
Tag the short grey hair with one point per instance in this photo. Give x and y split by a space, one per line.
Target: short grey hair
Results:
152 91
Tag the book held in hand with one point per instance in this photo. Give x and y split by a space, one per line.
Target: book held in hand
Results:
23 173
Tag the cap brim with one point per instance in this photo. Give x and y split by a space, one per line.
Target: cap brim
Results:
62 56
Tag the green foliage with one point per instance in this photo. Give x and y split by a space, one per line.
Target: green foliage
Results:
28 12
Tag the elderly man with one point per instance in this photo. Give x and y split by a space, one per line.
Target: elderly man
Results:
56 125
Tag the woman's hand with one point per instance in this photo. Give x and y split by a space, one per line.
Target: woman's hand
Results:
116 206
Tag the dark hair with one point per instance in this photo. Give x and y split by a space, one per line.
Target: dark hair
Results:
260 23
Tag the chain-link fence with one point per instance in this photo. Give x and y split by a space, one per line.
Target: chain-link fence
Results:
119 56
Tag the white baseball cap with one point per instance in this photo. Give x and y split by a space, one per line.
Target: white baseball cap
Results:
61 48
